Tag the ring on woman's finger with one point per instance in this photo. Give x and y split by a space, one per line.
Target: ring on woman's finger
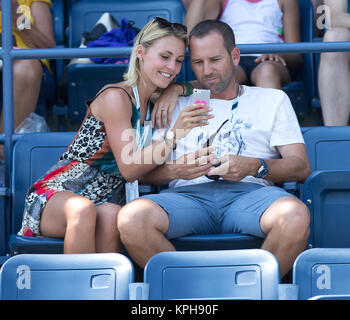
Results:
162 109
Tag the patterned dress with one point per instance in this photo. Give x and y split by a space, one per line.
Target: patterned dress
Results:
87 168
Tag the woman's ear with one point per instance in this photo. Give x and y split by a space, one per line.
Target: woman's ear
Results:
140 52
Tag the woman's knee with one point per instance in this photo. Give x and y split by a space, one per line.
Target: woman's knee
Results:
80 212
268 72
107 215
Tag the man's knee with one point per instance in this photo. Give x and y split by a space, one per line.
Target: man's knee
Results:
138 218
291 216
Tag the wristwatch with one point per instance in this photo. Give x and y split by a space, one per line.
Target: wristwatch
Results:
169 139
263 171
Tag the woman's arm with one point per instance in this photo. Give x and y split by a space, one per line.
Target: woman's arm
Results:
113 108
200 10
291 29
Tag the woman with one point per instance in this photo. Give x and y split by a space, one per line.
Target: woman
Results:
73 199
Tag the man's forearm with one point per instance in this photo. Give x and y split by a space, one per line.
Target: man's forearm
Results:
291 169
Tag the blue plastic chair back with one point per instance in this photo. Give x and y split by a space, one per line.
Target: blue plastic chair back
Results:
328 148
84 14
327 195
33 155
322 272
233 274
58 16
66 277
327 191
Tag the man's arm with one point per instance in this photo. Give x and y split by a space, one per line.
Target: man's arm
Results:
339 13
293 166
200 10
190 166
40 34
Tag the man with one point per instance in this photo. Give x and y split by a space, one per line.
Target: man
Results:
263 21
262 127
334 71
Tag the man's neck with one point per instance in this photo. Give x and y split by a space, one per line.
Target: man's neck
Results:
229 93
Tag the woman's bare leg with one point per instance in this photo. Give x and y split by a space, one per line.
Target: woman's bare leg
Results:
107 234
72 217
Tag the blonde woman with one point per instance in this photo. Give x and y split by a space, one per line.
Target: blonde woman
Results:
72 201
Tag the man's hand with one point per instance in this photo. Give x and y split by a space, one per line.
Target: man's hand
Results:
235 168
192 165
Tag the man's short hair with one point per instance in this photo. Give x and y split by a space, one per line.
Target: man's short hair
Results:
206 27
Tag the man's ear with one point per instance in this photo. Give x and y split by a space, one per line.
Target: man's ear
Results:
235 55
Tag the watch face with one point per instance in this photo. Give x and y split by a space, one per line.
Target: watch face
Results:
264 173
170 135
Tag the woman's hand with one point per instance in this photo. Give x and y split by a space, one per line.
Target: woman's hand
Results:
271 57
163 108
195 115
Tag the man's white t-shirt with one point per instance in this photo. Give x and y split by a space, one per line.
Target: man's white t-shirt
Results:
263 120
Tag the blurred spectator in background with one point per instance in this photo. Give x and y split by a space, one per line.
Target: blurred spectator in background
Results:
334 70
32 29
256 21
186 3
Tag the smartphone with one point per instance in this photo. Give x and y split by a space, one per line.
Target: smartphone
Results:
201 96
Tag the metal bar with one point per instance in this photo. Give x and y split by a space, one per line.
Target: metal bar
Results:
7 84
68 53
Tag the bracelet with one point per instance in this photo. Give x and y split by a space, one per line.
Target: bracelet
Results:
189 89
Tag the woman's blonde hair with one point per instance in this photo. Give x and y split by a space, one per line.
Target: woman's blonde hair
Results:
155 29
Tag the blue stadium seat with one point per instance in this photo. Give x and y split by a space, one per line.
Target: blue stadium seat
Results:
328 148
85 80
327 195
217 242
104 276
201 275
33 155
322 272
58 15
326 192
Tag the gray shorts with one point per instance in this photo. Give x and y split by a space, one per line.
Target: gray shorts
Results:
217 207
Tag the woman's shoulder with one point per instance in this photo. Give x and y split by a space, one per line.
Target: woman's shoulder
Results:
116 90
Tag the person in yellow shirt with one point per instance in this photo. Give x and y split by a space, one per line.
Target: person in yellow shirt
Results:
32 29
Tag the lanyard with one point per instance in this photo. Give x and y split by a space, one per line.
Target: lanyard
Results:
235 103
142 139
143 135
